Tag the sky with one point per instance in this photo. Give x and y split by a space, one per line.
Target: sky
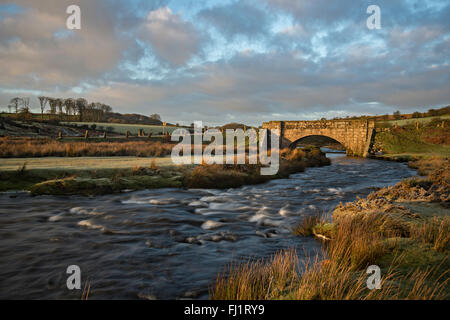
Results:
225 61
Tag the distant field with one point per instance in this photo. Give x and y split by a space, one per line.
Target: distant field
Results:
132 128
82 163
412 121
38 116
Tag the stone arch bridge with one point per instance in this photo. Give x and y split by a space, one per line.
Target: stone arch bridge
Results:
355 135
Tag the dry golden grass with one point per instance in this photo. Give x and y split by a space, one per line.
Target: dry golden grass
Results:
426 166
435 231
86 290
257 280
305 228
235 175
360 239
358 242
20 148
291 155
215 176
332 280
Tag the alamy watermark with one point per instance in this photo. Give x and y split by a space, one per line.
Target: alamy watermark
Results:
74 280
374 280
73 22
190 150
374 21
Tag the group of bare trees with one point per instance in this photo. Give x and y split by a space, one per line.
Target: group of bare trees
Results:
19 105
79 108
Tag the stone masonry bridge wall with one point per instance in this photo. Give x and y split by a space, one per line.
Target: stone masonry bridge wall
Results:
354 135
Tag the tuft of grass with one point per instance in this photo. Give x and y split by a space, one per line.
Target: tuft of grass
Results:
435 231
257 280
306 226
424 183
153 165
427 166
21 170
86 290
358 241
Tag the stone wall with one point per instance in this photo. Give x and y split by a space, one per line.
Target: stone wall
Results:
354 135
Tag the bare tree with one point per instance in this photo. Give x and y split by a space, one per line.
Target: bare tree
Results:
52 104
26 103
106 108
69 105
81 107
59 104
15 103
43 101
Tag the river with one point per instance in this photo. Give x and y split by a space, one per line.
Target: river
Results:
168 243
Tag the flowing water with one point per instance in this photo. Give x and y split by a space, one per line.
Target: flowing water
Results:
169 243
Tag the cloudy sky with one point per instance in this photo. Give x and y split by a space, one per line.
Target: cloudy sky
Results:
222 61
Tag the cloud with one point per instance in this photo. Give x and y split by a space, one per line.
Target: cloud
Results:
249 61
238 18
172 39
37 51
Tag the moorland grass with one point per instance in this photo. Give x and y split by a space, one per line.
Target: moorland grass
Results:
358 242
411 143
411 249
105 175
233 176
26 147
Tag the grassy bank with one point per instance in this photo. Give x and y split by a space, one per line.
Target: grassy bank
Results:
92 176
404 229
409 142
123 128
233 176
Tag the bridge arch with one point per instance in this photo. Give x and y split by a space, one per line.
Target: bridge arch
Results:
295 143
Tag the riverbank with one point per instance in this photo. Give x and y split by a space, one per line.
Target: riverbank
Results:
413 141
404 229
96 176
